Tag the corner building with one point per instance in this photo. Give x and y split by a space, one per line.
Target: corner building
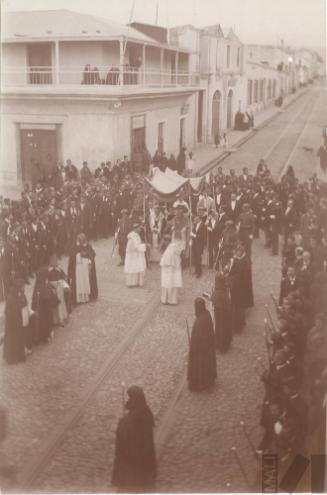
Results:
84 88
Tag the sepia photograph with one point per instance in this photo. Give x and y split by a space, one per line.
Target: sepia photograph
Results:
163 246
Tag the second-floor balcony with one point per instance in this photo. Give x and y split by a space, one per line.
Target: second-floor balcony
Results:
105 80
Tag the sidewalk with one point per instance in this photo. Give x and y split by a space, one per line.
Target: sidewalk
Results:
206 154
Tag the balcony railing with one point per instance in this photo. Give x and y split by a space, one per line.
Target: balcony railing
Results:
124 76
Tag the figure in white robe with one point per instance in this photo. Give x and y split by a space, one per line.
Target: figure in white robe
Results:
135 262
83 288
57 279
171 263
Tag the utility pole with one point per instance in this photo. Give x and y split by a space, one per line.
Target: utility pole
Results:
157 12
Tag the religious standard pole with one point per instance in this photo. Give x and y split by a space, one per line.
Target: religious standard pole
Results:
190 219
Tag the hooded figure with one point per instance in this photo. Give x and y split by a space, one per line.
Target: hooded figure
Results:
134 469
221 300
14 339
202 368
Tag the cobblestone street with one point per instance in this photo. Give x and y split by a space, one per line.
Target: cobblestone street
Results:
65 401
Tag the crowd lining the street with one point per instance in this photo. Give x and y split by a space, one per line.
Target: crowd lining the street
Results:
217 227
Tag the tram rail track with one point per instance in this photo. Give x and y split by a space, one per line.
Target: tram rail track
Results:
34 467
210 167
168 418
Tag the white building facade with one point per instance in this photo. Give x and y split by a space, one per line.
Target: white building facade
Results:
220 56
83 88
79 87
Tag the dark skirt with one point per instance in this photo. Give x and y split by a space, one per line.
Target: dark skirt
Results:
223 329
14 345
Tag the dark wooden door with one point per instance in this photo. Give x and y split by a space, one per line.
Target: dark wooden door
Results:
39 154
215 129
138 138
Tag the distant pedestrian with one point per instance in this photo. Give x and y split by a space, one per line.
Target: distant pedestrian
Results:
217 139
225 141
202 368
135 468
322 153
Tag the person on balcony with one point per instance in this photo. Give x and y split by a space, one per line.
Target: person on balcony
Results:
96 76
87 74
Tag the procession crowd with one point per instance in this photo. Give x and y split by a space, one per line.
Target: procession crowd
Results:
225 218
215 227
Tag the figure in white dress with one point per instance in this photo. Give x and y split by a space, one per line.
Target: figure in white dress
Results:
57 279
135 262
171 263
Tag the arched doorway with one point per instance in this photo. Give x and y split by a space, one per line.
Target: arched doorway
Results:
215 128
230 109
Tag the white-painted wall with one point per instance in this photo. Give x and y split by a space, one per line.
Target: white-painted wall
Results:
94 131
14 56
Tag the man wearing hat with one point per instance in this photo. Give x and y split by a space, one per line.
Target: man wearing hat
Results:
181 203
124 227
246 222
135 262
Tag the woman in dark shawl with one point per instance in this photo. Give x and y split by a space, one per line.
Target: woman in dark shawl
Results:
240 282
223 313
44 301
202 368
134 469
87 289
14 339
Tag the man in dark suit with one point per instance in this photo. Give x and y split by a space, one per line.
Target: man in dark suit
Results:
222 196
289 284
245 179
212 228
71 171
198 240
233 208
272 222
222 218
246 222
124 227
290 219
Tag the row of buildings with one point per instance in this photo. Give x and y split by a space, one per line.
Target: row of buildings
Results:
85 88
